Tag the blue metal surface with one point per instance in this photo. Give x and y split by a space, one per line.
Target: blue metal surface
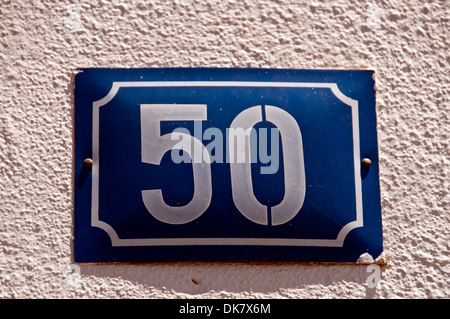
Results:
316 203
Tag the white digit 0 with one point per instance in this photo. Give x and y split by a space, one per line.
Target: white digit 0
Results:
241 175
294 171
294 167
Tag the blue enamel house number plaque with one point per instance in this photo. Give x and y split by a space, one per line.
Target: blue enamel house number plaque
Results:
225 165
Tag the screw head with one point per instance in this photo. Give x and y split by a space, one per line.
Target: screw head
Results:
366 162
88 163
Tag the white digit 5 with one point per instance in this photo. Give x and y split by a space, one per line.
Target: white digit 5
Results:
294 171
154 146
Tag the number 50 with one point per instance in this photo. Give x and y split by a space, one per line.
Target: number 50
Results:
155 145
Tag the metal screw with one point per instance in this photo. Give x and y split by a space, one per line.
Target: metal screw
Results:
366 162
88 163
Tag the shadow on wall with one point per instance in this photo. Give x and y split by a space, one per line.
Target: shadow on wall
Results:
227 280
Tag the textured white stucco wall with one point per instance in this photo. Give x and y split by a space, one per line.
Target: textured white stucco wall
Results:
42 42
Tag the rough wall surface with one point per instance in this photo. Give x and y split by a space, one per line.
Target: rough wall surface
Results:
42 42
